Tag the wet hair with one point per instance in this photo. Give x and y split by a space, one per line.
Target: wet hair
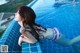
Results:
28 16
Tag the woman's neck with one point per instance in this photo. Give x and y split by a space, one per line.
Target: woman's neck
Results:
20 23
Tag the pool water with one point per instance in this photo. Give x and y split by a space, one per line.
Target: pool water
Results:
65 17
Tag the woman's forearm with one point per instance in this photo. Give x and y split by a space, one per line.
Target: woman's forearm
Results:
28 38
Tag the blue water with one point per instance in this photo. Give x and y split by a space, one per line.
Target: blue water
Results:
65 17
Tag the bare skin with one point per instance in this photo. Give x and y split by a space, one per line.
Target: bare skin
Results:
23 37
26 39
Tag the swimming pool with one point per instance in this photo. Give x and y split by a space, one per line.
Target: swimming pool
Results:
64 17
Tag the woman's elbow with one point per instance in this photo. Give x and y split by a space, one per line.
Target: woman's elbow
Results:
32 42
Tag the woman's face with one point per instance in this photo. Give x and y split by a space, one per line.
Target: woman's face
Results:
17 16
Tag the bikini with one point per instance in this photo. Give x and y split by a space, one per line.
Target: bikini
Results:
50 33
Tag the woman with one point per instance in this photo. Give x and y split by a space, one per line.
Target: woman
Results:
32 32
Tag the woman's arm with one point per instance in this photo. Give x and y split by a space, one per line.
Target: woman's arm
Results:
27 37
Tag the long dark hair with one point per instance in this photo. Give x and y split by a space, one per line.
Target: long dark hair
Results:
28 16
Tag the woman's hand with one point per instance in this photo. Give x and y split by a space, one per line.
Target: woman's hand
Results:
20 40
